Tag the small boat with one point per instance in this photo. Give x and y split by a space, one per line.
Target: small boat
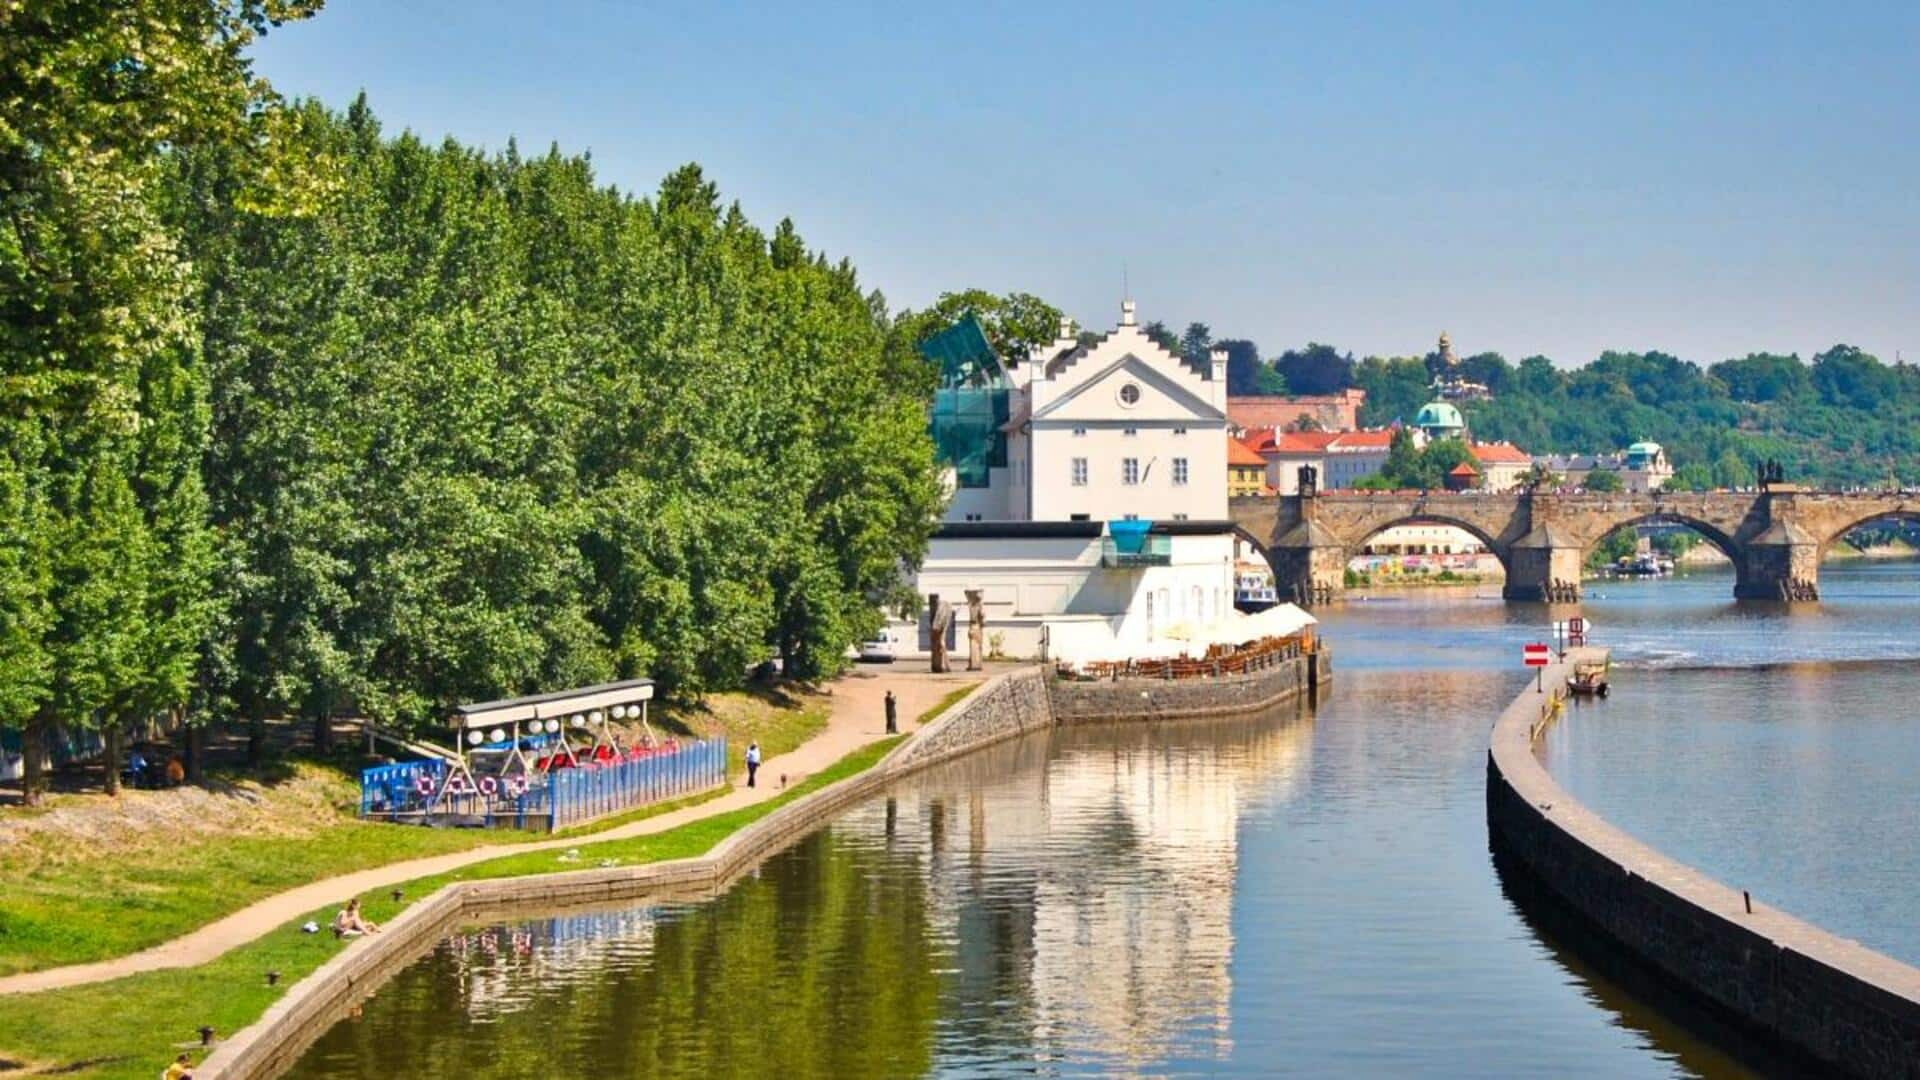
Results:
1588 679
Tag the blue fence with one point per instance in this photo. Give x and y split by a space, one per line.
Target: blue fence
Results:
387 790
587 793
553 800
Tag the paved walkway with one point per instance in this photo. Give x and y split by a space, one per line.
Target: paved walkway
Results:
858 717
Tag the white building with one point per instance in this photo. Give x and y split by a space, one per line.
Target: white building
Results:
1090 491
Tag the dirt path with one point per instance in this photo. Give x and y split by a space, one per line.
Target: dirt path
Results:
857 718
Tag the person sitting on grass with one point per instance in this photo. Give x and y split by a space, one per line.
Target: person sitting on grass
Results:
181 1069
350 923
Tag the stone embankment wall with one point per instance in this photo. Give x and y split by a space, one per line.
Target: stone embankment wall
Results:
1844 1006
1168 699
1001 708
1013 704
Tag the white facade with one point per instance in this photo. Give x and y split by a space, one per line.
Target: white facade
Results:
1113 431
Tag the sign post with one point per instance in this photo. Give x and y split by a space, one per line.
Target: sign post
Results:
1537 655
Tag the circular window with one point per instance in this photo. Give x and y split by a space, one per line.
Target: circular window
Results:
1130 395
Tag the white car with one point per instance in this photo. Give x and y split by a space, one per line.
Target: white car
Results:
878 650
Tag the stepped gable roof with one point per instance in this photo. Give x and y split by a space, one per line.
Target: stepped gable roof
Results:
1239 453
1500 453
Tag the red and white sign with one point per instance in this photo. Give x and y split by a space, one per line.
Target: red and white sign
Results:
1537 654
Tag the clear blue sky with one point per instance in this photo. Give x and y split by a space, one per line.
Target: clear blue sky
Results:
1708 179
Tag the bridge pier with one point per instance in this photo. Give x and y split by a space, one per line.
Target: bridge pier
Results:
1782 563
1544 567
1309 565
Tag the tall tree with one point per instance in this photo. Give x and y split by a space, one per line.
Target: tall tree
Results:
94 298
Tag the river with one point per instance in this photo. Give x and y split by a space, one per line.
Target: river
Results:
1307 892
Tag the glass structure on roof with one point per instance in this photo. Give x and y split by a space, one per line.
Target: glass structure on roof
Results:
971 404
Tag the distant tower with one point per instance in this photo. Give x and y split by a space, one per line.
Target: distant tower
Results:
1448 361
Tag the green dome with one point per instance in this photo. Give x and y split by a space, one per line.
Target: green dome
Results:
1640 453
1439 415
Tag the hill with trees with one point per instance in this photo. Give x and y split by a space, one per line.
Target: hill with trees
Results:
1843 419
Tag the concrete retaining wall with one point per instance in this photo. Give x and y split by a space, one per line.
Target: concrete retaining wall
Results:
999 709
1167 699
1839 1003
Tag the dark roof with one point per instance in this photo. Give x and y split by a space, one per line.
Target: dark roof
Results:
558 695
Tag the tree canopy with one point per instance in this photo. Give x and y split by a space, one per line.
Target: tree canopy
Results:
302 416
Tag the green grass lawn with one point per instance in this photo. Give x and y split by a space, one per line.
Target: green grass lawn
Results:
130 1028
68 904
953 698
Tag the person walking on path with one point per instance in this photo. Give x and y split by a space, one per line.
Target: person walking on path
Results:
753 761
893 715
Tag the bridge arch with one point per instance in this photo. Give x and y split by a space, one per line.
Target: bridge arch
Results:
1706 530
1492 545
1900 513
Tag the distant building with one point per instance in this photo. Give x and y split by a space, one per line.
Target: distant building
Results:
1440 420
1449 382
1355 455
1643 467
1323 412
1503 466
1246 469
1286 452
1462 477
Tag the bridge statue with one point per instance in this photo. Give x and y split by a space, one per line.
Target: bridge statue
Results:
1775 537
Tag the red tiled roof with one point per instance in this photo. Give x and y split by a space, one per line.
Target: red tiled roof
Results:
1304 442
1362 440
1239 453
1463 469
1260 439
1500 453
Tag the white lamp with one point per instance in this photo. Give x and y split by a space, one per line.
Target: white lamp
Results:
497 735
474 737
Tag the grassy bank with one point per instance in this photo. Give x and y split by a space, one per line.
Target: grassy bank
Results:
114 878
129 1028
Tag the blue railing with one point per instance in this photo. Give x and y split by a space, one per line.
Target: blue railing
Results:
589 792
386 790
554 800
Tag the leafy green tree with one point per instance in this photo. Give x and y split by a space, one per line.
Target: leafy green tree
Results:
94 295
1759 378
1197 342
1245 372
1316 369
1603 481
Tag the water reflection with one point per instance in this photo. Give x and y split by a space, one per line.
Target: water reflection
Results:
1305 894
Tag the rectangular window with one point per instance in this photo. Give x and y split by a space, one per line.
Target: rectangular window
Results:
1179 471
1179 517
1133 517
1179 431
1130 470
1130 432
1078 432
1076 517
1079 472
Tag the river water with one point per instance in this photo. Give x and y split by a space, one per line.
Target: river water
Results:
1305 893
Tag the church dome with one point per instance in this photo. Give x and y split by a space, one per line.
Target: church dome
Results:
1439 419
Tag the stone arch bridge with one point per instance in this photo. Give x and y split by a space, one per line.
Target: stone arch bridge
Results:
1775 536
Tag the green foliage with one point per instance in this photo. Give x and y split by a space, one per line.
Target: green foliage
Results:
1316 369
1016 324
1604 481
302 417
485 427
1423 468
103 577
